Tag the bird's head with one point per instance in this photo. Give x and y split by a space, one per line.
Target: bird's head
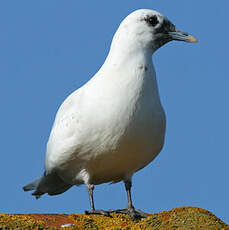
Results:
150 29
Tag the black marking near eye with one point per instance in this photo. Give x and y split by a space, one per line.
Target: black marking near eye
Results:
166 26
153 21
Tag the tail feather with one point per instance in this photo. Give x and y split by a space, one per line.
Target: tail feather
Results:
33 185
51 184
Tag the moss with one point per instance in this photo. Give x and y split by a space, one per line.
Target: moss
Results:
184 218
20 222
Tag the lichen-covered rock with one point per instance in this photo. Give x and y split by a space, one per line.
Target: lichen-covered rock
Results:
184 218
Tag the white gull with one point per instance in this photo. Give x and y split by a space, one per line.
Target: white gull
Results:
114 125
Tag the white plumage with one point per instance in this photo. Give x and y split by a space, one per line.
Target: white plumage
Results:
114 125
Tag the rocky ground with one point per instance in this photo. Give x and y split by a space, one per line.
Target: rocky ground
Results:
184 218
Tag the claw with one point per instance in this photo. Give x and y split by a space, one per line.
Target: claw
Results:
98 212
133 213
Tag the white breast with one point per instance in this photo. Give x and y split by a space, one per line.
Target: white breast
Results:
109 129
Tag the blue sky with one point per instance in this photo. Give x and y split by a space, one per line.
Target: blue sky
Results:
50 48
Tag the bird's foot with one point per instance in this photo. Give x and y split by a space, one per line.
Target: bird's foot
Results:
98 212
132 212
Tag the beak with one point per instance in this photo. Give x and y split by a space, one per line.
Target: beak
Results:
182 36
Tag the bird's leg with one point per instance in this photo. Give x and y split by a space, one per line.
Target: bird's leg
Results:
90 188
130 208
128 185
91 197
134 213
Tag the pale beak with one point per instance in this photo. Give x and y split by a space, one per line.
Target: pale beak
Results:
182 36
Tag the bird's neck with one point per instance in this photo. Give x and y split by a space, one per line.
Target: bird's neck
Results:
132 67
128 54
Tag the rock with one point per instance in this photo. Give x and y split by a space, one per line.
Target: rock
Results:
184 218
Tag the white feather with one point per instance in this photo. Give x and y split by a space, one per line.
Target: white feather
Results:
114 125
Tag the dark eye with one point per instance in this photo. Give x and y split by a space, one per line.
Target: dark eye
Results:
152 20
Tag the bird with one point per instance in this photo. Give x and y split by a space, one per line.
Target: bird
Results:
114 125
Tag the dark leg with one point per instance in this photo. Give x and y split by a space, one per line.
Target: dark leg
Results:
90 189
134 213
128 185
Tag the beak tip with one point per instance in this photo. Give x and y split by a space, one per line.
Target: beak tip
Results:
192 39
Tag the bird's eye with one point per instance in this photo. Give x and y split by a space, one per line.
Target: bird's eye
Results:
152 20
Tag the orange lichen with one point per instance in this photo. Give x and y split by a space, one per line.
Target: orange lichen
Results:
53 220
178 218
